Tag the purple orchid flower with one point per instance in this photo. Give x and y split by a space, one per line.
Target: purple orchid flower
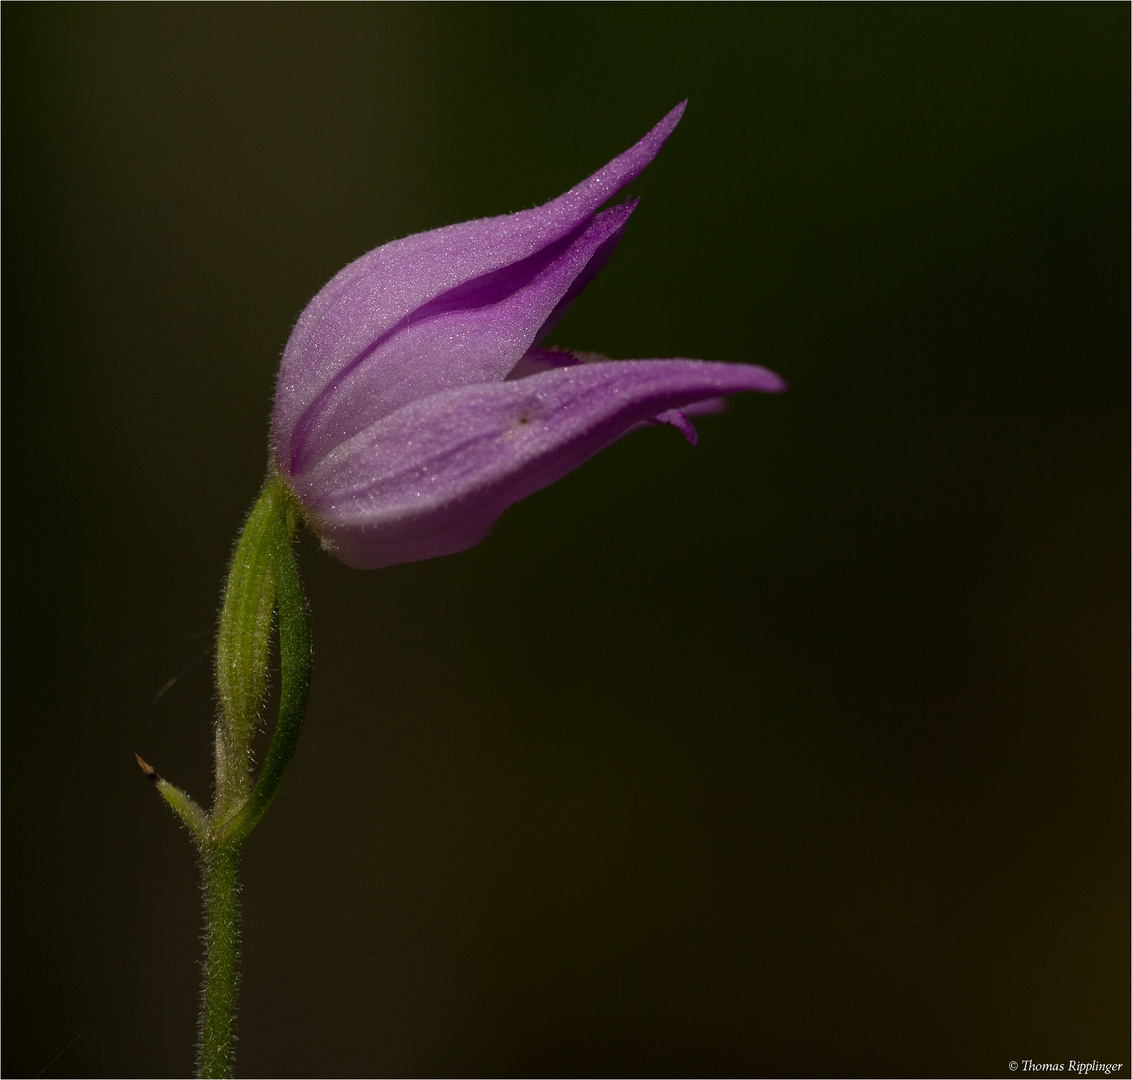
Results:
414 402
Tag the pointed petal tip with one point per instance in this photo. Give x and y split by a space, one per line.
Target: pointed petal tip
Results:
660 131
618 212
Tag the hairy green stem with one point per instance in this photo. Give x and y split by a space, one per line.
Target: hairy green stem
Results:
263 590
219 864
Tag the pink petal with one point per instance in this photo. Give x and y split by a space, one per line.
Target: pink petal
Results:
372 295
432 477
474 333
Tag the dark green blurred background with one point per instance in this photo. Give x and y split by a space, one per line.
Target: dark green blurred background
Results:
804 752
